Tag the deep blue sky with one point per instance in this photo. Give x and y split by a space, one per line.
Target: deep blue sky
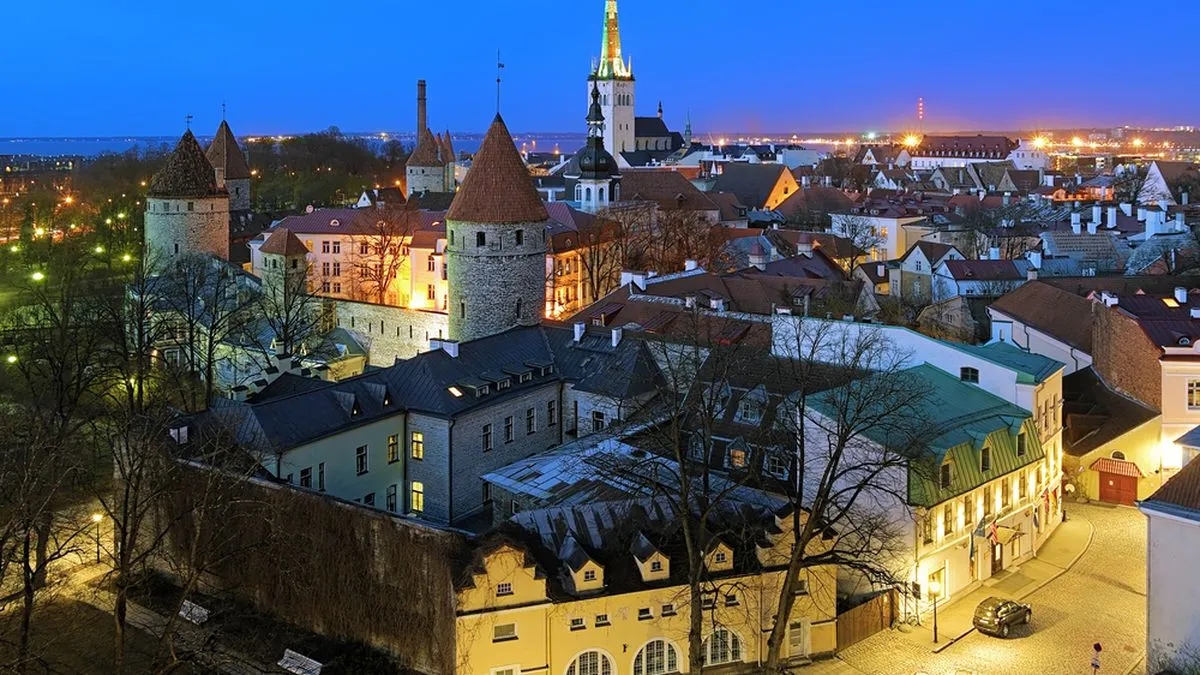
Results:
110 67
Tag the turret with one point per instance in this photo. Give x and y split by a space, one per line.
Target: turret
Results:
186 211
496 243
599 178
614 77
232 170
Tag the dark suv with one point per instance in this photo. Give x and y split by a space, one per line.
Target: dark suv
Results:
997 616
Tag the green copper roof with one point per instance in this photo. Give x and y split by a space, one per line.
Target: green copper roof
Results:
1034 367
954 420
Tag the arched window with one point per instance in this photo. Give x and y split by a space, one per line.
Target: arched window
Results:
591 663
656 658
588 194
578 192
722 647
1117 454
616 192
518 308
600 195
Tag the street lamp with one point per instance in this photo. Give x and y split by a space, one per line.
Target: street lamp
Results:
37 276
935 589
97 518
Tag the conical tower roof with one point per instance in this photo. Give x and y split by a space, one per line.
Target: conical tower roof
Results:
188 173
426 152
283 242
498 188
448 145
225 153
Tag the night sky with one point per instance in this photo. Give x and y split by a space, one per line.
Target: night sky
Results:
137 67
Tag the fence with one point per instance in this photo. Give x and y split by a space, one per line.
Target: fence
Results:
860 623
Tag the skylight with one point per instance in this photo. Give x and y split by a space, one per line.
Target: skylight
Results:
456 392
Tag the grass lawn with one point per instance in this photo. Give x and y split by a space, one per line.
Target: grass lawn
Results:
73 637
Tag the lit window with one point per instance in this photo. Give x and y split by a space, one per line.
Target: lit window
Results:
1193 394
417 496
418 445
656 658
456 392
737 458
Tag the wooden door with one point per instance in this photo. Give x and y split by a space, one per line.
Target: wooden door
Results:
997 558
1118 489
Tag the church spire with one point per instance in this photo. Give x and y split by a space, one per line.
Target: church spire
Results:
612 65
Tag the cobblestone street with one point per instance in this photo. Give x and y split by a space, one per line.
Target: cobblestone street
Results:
1100 599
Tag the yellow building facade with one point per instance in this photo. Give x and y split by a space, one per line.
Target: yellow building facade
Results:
516 617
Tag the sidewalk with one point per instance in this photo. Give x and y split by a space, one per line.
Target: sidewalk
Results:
1064 547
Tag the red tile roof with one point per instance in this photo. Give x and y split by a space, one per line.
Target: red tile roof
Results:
187 173
498 188
670 189
224 153
281 241
983 270
426 152
1060 314
1119 467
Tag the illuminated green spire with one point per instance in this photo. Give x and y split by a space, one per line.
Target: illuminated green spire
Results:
612 66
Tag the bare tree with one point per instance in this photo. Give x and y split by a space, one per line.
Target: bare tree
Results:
862 233
840 472
295 317
600 258
381 251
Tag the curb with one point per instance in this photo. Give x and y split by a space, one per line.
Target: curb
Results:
1031 591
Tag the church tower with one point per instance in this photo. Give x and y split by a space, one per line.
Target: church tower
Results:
599 180
614 79
232 170
495 243
186 211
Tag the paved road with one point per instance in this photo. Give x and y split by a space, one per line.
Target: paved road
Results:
1102 598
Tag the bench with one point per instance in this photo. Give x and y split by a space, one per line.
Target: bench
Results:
299 664
192 612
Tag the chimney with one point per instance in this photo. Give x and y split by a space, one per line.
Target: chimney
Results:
880 270
1127 208
1183 198
1031 274
994 253
1109 298
1092 227
1097 213
1112 216
718 304
1195 312
448 346
690 265
805 181
1034 258
1181 295
689 301
580 329
617 333
1180 225
420 109
1141 214
1075 224
1007 199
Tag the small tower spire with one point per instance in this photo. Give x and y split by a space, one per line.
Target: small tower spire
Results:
660 110
612 65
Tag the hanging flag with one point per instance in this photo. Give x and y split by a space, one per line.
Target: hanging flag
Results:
971 553
993 533
1036 522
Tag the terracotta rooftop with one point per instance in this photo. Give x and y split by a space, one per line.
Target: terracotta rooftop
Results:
447 148
984 270
1181 493
225 153
426 152
281 241
498 188
671 189
187 173
1058 313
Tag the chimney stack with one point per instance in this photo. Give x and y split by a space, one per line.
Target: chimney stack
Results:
1092 227
420 109
1076 225
580 329
617 333
1097 213
1181 295
1112 217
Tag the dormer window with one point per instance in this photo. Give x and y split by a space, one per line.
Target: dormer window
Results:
720 558
503 384
968 374
482 391
524 377
589 575
985 459
737 460
945 475
455 392
504 588
656 566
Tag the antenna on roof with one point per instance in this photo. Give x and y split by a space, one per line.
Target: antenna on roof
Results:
921 114
222 111
499 67
187 122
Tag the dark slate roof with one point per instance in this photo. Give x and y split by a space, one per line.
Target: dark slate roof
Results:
650 127
288 384
752 183
1093 414
671 189
1180 495
498 188
187 173
224 153
609 532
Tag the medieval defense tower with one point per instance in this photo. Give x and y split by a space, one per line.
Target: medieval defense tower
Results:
186 211
496 243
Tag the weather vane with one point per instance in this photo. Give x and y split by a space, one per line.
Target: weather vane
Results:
222 111
187 120
499 67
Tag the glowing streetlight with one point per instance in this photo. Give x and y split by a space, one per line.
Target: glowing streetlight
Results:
1039 142
39 232
38 276
1076 141
99 249
912 140
121 215
97 518
1137 142
126 257
68 200
11 359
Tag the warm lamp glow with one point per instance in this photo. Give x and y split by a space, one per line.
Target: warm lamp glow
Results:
97 517
1039 142
1137 142
912 140
1077 141
935 589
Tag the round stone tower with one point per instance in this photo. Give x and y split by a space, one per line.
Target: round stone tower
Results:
496 243
186 212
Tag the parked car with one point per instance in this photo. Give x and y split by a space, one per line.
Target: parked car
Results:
997 616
